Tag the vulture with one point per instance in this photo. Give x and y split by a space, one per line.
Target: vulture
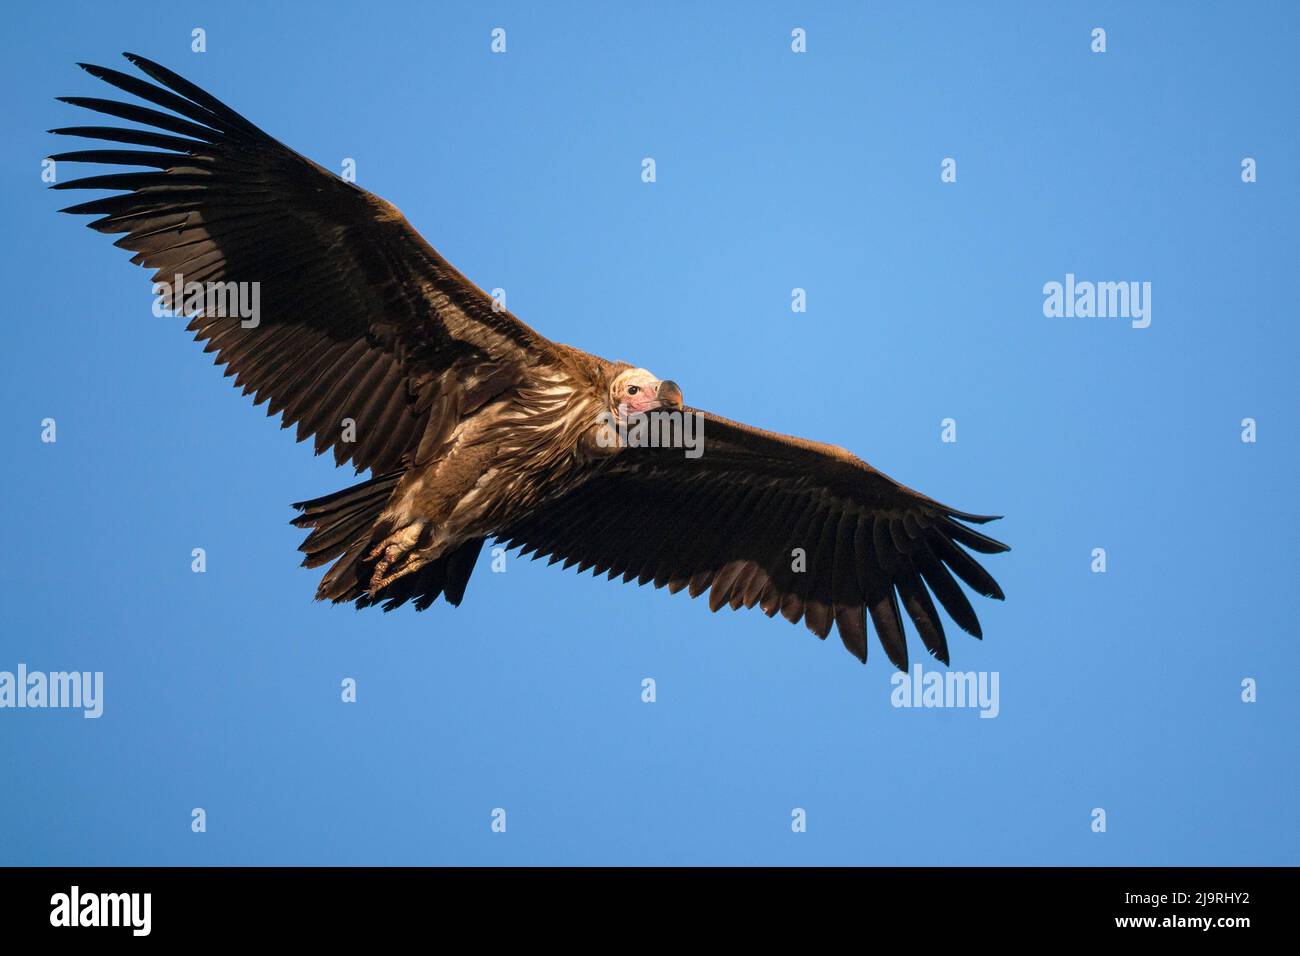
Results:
473 426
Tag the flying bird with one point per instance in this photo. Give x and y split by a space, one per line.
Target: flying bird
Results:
474 426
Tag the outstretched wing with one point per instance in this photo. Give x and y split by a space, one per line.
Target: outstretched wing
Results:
737 519
357 316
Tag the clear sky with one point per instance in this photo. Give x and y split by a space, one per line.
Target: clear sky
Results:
775 170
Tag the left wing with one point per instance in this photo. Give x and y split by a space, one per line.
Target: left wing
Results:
734 521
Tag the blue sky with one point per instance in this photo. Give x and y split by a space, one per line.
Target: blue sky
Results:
775 170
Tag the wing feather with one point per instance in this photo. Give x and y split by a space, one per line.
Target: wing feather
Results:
359 317
729 520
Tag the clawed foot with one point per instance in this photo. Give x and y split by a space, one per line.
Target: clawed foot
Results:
395 557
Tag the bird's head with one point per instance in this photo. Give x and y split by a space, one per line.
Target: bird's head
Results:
636 391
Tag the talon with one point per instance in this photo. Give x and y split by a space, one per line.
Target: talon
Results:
377 583
391 553
396 557
379 580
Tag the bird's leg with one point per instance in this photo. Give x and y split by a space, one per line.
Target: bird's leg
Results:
395 557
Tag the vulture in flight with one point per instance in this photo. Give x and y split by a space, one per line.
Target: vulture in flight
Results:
472 425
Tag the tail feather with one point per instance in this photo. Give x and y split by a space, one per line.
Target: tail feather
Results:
342 520
343 526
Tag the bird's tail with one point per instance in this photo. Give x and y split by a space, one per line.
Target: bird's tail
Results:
343 531
343 524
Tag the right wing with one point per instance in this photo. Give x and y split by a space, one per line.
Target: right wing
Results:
360 318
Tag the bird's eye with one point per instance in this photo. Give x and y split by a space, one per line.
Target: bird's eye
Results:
633 389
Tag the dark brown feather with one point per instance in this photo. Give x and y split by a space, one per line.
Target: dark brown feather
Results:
228 203
730 519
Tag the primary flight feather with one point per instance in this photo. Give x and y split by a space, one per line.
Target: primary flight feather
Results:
472 425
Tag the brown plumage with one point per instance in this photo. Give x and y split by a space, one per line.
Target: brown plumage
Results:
473 425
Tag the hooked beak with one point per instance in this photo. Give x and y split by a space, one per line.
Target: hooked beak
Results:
669 395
